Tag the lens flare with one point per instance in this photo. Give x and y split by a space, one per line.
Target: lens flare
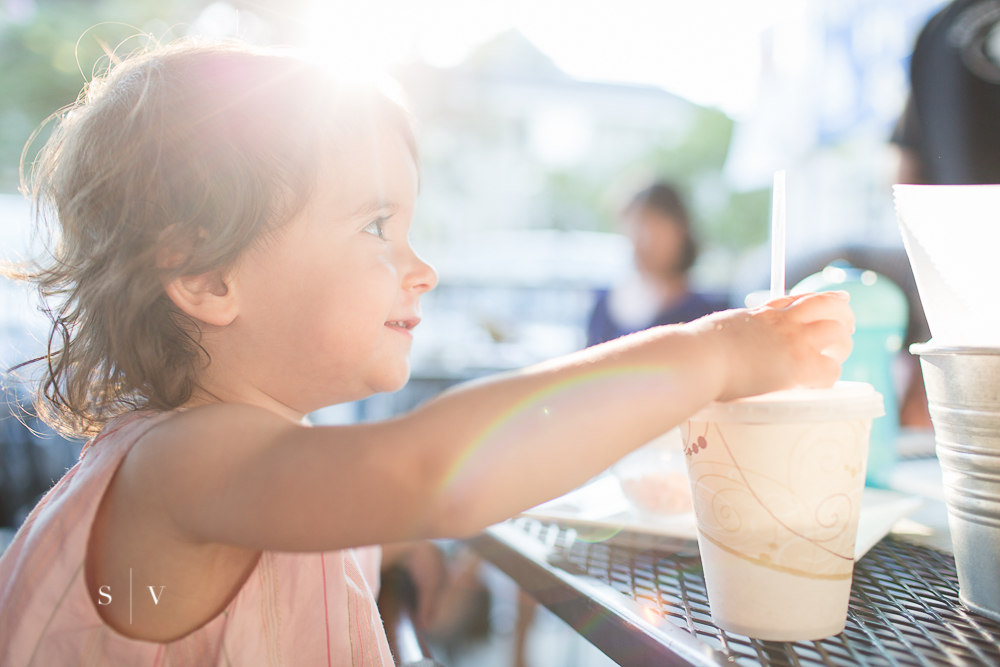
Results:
545 402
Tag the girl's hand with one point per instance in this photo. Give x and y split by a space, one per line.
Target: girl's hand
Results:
788 342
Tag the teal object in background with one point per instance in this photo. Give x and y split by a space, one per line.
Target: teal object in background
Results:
881 313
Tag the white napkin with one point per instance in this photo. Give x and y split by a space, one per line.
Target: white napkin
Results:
952 237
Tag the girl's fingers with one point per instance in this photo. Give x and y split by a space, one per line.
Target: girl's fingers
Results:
831 338
824 373
781 302
823 306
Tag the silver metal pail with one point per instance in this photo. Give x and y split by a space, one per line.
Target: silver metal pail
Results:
963 391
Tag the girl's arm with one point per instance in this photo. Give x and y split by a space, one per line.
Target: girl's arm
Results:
477 454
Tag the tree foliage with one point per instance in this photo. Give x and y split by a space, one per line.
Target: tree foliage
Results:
50 49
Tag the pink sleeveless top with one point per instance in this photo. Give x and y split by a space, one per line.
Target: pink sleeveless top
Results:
295 609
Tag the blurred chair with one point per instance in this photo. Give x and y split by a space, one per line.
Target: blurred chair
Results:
32 458
397 603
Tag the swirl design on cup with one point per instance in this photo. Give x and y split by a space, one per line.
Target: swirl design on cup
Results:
785 496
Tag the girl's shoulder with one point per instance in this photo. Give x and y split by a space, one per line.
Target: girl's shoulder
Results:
164 457
205 437
124 429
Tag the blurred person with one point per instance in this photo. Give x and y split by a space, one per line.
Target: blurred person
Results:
659 226
233 255
949 132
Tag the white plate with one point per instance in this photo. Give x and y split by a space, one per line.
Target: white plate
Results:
600 507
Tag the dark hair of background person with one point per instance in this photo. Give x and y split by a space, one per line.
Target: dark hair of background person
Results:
663 198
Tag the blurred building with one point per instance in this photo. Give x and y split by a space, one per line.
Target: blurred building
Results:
833 82
509 141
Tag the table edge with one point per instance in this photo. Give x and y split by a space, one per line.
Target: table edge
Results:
604 616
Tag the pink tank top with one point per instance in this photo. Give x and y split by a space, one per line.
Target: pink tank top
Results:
295 609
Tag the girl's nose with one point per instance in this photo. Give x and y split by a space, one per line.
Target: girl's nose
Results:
421 277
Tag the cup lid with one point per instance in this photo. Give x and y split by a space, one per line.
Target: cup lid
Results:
845 400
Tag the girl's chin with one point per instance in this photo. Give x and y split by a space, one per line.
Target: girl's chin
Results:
381 378
391 382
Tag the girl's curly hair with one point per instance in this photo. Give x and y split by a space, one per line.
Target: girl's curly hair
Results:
192 150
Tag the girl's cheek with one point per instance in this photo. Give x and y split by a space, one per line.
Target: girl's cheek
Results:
392 263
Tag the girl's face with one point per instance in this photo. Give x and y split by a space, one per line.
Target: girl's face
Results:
327 308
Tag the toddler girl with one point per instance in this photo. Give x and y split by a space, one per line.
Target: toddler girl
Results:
233 255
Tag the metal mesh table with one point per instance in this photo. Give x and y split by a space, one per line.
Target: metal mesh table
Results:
904 604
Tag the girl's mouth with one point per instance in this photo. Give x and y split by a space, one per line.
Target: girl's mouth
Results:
403 326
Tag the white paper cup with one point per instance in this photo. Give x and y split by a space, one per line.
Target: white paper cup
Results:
776 482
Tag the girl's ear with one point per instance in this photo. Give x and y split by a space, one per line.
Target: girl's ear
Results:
209 297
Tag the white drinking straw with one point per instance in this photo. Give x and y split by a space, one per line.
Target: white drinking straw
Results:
778 236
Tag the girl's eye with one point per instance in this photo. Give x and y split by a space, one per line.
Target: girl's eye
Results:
375 227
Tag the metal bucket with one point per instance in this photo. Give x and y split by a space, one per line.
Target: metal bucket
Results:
963 391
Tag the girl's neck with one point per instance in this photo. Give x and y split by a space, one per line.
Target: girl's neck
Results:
246 396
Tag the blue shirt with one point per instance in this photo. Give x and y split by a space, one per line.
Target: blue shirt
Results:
602 326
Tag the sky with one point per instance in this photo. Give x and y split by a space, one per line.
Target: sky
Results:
705 50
